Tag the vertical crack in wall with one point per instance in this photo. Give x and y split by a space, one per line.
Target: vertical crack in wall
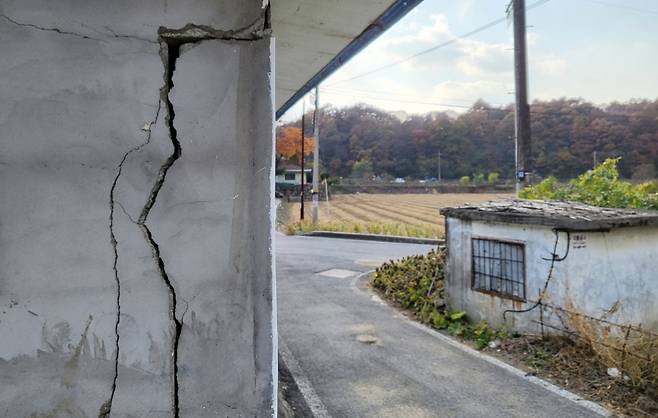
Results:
169 51
106 408
170 43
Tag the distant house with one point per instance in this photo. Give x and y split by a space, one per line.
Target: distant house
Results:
291 174
528 264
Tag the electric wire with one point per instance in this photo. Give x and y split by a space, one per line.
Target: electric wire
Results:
402 101
436 47
554 258
341 91
425 103
349 89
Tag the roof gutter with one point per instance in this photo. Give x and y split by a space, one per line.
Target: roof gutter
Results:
387 19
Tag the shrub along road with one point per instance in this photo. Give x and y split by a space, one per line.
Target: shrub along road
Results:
360 358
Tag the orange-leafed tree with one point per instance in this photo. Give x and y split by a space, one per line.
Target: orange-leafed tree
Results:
289 142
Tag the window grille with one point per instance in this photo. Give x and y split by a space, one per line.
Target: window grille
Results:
289 176
499 267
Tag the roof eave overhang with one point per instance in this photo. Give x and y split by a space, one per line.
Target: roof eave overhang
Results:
395 12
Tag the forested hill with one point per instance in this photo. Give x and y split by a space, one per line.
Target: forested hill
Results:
565 133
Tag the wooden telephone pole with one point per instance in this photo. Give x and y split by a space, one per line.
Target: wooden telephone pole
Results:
316 158
522 114
301 210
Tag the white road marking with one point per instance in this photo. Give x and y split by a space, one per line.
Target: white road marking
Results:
312 399
338 273
592 406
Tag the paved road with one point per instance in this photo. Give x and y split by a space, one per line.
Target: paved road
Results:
365 360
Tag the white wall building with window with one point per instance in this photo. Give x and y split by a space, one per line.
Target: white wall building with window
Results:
293 175
598 262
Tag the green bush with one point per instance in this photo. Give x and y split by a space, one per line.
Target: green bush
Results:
598 187
465 180
416 283
493 178
478 178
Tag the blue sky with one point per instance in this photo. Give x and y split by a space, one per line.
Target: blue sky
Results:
599 50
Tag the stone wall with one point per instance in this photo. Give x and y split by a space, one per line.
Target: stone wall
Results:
135 195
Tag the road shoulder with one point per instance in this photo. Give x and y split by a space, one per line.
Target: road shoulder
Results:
362 284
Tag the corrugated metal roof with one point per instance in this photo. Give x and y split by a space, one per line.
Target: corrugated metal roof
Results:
315 37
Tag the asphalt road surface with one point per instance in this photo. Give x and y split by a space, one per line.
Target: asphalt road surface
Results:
357 357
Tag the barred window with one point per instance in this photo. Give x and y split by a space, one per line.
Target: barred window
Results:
499 267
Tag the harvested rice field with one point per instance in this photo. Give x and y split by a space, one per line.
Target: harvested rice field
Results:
415 215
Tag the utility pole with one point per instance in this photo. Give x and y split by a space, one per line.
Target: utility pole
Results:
522 114
301 210
439 167
316 157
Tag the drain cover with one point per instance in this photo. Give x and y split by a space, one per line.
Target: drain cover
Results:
338 273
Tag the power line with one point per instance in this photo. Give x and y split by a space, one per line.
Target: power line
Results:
399 100
343 90
622 6
499 108
439 46
377 95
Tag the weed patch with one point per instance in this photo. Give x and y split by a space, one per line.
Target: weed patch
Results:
416 283
574 365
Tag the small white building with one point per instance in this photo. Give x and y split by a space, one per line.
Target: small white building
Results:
593 261
292 175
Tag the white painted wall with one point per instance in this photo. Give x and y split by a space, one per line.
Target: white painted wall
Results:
84 137
600 270
281 178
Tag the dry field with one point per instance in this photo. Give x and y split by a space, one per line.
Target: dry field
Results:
391 214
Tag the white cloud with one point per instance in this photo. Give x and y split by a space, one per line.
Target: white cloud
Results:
532 38
482 58
437 29
464 8
469 90
384 93
549 64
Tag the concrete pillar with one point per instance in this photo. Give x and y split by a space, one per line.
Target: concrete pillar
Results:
135 195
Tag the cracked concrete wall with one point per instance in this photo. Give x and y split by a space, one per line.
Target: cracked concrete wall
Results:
135 195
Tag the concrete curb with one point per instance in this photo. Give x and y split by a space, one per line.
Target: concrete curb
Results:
375 237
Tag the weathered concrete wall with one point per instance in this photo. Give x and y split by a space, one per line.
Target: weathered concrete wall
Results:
601 270
135 194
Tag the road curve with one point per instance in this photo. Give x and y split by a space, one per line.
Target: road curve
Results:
362 359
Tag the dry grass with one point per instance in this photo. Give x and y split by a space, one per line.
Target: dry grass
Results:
579 360
629 349
414 215
574 366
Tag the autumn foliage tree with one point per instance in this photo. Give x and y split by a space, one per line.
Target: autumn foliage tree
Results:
568 136
289 143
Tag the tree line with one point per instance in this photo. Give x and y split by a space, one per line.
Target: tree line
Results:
568 137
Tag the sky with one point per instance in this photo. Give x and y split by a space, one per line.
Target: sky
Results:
598 50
